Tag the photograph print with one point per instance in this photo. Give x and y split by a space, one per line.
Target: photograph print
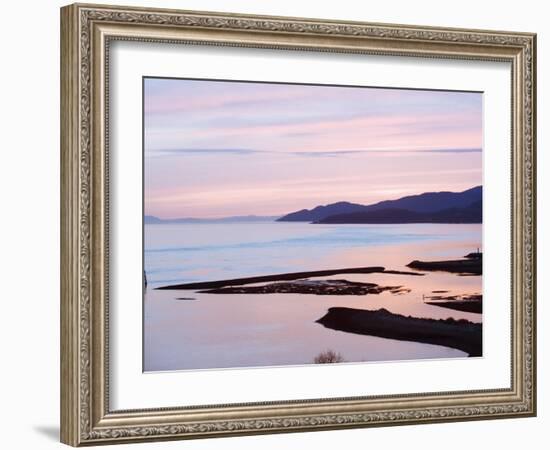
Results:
297 224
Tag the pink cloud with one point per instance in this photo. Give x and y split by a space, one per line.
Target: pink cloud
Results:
448 130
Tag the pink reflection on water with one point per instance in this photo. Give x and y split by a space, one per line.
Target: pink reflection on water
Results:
247 330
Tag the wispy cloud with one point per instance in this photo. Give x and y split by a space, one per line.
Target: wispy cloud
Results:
328 154
234 148
452 150
309 153
202 151
337 153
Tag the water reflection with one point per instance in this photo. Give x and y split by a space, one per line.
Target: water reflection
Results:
191 330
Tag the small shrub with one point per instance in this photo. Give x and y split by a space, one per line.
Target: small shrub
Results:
328 357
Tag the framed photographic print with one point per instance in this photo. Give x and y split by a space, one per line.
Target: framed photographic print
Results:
280 224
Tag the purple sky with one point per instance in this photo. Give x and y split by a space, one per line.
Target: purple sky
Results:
216 149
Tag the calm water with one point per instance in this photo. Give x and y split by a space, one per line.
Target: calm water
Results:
248 330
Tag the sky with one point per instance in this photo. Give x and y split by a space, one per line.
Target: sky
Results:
224 148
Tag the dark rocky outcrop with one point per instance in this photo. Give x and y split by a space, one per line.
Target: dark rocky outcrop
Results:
460 334
473 266
268 278
315 287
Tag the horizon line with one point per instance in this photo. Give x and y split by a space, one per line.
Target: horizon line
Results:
276 216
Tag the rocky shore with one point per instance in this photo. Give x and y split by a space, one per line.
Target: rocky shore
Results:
284 277
460 334
466 303
467 266
315 287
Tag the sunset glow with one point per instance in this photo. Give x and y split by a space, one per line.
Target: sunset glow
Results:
218 148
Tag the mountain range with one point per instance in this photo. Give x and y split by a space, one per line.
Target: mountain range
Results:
429 207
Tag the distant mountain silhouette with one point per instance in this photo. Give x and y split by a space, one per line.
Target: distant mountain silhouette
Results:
321 212
152 219
234 219
429 202
470 214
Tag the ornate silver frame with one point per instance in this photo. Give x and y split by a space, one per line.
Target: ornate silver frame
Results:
86 31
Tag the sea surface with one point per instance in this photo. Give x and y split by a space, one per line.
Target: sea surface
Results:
188 330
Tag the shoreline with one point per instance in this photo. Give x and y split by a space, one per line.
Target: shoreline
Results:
314 287
466 303
459 334
464 306
283 277
468 266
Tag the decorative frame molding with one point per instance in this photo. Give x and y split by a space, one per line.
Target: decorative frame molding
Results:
86 31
